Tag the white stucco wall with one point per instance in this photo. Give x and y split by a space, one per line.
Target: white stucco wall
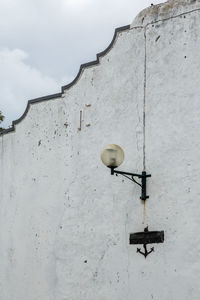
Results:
64 221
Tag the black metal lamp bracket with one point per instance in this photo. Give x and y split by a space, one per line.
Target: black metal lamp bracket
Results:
131 176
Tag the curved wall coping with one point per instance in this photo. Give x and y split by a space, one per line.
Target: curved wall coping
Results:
164 11
68 86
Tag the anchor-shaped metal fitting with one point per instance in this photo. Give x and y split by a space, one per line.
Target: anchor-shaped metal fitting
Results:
146 237
145 253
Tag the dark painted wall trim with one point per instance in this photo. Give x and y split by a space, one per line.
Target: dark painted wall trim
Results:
65 87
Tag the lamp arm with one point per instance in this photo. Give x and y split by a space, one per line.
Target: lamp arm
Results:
125 173
131 176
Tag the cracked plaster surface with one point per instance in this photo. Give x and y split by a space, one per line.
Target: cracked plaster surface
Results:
164 11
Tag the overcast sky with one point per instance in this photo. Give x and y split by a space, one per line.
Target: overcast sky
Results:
43 43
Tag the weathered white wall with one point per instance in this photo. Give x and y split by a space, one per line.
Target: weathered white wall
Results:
64 221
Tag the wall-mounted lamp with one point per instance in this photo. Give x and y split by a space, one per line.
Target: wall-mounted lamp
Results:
113 156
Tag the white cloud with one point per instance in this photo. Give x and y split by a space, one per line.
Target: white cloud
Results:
20 82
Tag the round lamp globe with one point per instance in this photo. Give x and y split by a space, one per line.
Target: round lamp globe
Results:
112 156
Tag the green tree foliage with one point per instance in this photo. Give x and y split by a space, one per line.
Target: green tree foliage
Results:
1 119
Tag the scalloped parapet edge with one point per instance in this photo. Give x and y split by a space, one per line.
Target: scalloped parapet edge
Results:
68 86
150 15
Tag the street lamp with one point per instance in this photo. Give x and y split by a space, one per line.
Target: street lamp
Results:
112 157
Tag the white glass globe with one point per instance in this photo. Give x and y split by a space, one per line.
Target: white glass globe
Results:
112 156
